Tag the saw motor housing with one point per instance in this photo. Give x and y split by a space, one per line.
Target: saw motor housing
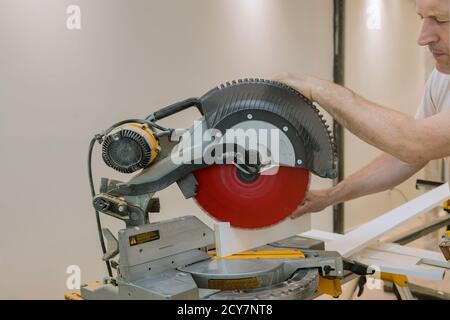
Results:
130 147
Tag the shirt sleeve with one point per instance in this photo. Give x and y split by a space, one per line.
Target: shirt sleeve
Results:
427 107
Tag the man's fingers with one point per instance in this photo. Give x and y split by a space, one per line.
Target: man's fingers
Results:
288 82
301 86
297 215
281 76
278 77
315 201
300 211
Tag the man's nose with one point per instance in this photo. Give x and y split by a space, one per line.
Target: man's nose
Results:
427 34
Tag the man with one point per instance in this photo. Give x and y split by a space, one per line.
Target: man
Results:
408 143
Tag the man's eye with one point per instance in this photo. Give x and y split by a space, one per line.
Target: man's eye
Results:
442 21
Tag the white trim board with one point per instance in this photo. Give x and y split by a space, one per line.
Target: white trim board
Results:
371 231
427 257
398 264
322 235
393 258
231 240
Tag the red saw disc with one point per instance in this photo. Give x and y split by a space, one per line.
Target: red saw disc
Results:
260 203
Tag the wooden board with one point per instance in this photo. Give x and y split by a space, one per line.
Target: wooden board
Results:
398 264
371 231
231 240
322 235
393 258
426 256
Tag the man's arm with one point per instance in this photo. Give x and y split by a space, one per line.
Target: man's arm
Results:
410 140
383 173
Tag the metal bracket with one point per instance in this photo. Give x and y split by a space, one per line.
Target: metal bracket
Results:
112 245
120 209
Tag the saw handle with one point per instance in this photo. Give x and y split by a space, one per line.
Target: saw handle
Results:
357 267
175 108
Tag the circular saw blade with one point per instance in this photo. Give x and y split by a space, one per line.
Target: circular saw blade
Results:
261 203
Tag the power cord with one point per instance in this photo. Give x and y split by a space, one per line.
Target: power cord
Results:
98 138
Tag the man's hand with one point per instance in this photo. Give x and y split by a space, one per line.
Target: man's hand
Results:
305 85
315 201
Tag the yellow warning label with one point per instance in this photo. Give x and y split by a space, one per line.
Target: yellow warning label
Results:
144 237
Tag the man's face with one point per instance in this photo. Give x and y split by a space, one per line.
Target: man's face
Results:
435 32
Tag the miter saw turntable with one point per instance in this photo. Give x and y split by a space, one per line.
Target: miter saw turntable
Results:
247 161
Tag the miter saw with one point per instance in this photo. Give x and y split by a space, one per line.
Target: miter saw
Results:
247 161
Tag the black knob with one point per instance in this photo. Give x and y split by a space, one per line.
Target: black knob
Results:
154 206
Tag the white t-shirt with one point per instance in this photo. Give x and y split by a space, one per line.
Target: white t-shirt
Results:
436 99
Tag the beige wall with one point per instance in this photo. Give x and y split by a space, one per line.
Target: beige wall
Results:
388 67
59 87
